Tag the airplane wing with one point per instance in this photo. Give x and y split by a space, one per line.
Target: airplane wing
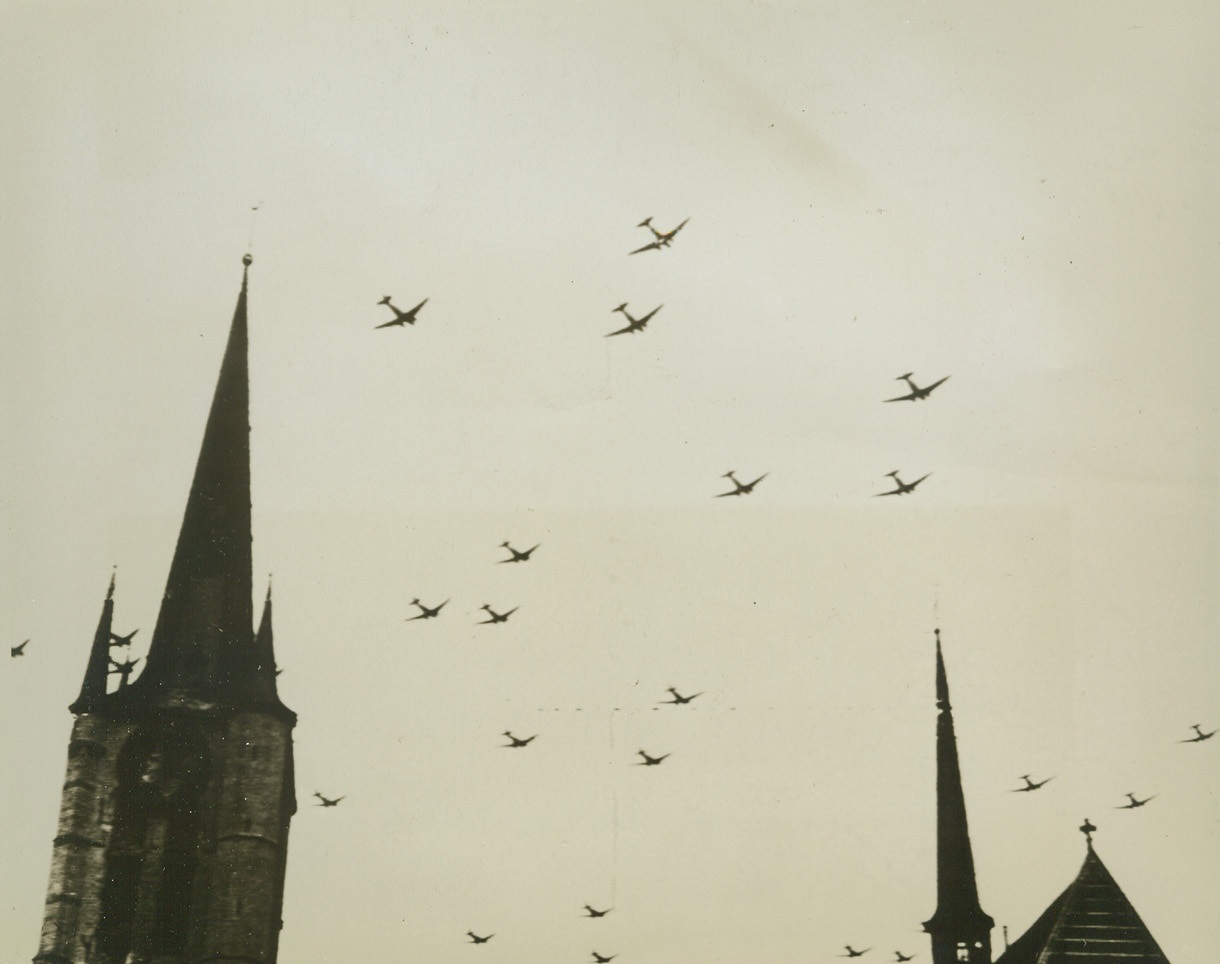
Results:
911 485
396 321
621 331
928 388
417 307
721 495
653 246
642 321
891 492
902 398
677 229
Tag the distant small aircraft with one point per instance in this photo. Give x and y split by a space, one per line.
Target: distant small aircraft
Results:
16 651
124 669
634 324
742 488
117 640
854 953
603 960
1134 802
597 913
899 956
518 555
517 741
650 761
1030 785
476 939
401 317
903 487
495 616
660 239
327 801
679 699
1199 736
424 611
917 393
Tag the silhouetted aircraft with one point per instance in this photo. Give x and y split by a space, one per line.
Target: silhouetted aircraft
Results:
517 741
1030 785
1134 803
634 324
476 939
401 317
679 699
123 669
15 651
742 488
854 953
326 801
899 956
603 960
660 239
495 616
650 761
424 611
1199 736
117 640
597 913
518 555
917 393
903 487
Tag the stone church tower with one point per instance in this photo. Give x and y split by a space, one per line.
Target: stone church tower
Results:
173 826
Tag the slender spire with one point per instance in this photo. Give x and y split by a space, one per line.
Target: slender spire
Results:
263 671
93 689
205 627
959 925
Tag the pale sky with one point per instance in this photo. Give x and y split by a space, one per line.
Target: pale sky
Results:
1025 200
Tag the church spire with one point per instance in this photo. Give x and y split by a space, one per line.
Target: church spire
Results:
204 631
93 689
960 930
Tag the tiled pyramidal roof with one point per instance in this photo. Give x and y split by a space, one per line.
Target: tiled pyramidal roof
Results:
1091 921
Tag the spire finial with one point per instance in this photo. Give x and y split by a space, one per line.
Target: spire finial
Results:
1088 830
268 587
110 591
247 259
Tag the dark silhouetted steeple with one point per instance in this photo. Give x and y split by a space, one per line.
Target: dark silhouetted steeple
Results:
203 640
960 930
93 689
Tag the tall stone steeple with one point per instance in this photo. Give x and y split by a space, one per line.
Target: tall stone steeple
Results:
173 828
959 928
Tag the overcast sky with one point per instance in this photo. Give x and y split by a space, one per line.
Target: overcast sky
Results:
1024 199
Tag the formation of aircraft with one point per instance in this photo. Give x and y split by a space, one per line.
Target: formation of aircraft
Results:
400 317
